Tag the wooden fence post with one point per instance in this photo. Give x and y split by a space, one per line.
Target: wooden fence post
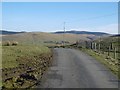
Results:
95 46
109 51
114 52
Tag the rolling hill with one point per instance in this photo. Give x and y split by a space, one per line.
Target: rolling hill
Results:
46 38
83 32
118 35
40 37
3 32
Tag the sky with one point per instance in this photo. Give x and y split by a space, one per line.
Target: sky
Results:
60 0
50 16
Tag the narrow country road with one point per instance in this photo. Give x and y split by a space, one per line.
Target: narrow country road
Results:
74 69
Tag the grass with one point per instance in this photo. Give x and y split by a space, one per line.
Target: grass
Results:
112 55
13 56
11 53
101 58
40 37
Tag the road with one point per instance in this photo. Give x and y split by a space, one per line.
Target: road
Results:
74 69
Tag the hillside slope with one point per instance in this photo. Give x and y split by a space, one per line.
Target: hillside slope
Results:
40 37
83 32
3 32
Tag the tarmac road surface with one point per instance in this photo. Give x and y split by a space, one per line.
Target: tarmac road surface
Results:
74 69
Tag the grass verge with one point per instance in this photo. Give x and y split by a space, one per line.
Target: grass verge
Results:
107 62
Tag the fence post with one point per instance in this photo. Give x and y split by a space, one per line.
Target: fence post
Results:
109 51
95 46
114 52
99 47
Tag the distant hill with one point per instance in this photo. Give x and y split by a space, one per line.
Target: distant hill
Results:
47 38
83 32
3 32
117 35
41 37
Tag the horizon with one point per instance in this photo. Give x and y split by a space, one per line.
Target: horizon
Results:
50 16
55 31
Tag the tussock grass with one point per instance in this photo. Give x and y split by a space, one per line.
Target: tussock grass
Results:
24 63
11 53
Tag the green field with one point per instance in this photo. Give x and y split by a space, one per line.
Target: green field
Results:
28 60
11 53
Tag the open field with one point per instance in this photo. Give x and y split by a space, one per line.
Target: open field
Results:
40 38
11 53
24 65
